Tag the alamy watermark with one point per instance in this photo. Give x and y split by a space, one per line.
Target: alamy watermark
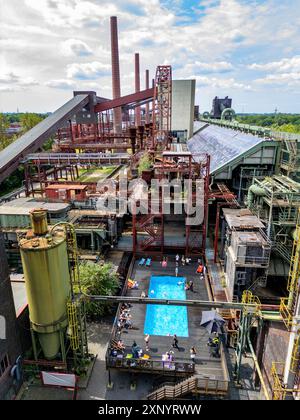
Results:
161 196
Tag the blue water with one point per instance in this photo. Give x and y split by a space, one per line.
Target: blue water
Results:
162 319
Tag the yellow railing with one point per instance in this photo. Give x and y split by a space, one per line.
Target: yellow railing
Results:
73 325
278 389
286 313
249 298
295 359
295 264
287 305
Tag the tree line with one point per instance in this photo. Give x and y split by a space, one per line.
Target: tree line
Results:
281 122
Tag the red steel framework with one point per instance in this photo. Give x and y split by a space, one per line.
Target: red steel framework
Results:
162 106
152 224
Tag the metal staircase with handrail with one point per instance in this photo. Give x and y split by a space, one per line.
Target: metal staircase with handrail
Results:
195 384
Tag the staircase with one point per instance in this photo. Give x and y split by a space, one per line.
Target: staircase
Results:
193 384
152 229
173 391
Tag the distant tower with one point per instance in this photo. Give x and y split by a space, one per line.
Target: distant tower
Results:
115 67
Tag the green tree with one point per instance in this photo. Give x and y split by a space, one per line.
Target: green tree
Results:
145 163
98 279
29 120
4 123
5 140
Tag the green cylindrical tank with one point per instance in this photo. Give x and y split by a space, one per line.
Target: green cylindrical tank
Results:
47 280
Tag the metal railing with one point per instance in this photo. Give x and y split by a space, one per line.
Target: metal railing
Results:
76 157
120 361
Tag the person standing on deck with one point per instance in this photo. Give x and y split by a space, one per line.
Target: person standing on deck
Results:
177 258
147 342
175 342
193 353
176 271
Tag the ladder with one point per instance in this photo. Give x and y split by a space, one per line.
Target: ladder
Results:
77 328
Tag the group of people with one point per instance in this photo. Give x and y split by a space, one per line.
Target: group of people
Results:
201 269
168 356
125 318
184 260
132 284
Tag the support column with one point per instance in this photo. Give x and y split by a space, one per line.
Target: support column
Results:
147 116
137 87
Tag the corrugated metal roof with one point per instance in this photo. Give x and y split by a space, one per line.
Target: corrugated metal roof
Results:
25 205
236 219
222 144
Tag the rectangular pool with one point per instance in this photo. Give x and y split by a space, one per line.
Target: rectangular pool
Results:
162 319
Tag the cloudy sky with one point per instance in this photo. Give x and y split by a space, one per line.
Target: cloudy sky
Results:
247 49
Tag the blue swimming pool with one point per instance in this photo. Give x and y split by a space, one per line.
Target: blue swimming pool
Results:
162 319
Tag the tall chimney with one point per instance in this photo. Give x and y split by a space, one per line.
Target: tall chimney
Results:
115 66
137 87
147 104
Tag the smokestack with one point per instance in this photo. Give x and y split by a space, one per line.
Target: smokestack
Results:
115 67
147 105
137 87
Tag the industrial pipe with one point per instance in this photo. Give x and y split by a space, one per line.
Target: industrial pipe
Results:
252 191
199 303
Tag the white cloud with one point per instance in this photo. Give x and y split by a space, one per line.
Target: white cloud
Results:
282 66
287 79
75 47
61 84
214 67
9 78
62 43
221 83
84 71
10 82
72 13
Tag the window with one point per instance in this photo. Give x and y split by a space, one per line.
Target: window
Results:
4 364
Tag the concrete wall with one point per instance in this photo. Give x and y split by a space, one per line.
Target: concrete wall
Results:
275 349
183 102
9 341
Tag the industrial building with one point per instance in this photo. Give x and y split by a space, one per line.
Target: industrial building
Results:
227 201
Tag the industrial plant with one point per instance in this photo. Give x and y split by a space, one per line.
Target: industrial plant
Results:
198 217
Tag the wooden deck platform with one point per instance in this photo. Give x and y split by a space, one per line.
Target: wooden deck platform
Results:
205 365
